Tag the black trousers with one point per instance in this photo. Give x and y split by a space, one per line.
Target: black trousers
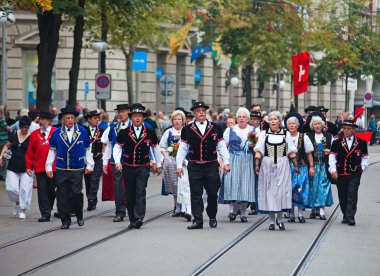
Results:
348 187
46 193
204 176
92 182
136 181
69 194
119 192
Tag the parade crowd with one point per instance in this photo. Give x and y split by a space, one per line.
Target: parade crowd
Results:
278 164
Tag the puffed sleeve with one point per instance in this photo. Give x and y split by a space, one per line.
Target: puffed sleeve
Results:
308 144
164 141
226 136
290 145
260 145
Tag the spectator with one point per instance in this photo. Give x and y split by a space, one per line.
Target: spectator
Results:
373 128
104 121
4 130
150 121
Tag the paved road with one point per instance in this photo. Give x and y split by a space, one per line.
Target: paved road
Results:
164 246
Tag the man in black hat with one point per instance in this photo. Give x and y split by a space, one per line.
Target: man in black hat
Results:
35 160
135 143
201 140
70 147
92 180
330 127
189 117
348 159
256 108
255 119
308 111
109 139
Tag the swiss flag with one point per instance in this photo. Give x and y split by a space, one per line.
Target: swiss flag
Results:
301 65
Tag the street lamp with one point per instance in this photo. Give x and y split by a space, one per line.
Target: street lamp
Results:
7 18
231 77
99 46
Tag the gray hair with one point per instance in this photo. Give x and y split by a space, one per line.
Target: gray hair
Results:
176 113
244 111
316 119
293 119
275 113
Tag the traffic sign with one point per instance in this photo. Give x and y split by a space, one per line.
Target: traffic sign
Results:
167 93
167 82
139 60
368 99
86 87
103 86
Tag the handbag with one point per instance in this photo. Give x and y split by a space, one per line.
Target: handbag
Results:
7 154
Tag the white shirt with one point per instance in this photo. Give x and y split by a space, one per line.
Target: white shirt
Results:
46 132
276 139
201 126
92 131
164 139
308 145
69 132
241 132
137 130
104 139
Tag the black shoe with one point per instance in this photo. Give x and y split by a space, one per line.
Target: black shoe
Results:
138 223
287 215
301 219
131 225
175 215
280 225
344 221
272 227
252 213
187 216
118 219
291 218
351 222
195 226
91 207
213 223
232 216
243 219
43 219
56 215
318 214
313 215
322 217
65 226
182 214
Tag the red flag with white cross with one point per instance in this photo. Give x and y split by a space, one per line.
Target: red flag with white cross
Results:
301 64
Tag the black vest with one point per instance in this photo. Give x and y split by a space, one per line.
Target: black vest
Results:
348 161
97 146
202 148
301 154
136 149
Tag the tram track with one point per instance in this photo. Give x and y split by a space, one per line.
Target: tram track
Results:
50 230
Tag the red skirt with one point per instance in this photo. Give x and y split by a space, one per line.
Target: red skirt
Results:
108 184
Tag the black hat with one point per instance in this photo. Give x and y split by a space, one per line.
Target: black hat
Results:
137 108
181 109
198 104
24 121
122 107
255 115
297 116
322 108
189 114
349 123
92 113
46 115
315 114
69 110
311 108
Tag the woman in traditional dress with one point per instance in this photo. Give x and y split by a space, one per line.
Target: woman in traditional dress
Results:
272 165
300 182
169 145
239 184
320 184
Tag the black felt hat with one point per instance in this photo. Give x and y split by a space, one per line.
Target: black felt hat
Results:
311 108
69 110
189 114
46 115
122 107
349 123
92 113
254 114
137 108
322 108
315 114
297 116
180 109
198 105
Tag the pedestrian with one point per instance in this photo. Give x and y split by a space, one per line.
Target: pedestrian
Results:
4 130
19 184
169 145
264 125
134 143
201 141
272 153
239 184
373 128
35 160
70 147
348 160
92 180
320 184
113 183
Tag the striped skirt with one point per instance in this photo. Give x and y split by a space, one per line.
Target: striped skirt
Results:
170 175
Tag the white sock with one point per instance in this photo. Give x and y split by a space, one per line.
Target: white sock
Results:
300 211
322 211
235 208
183 208
271 217
292 211
279 217
231 207
188 208
177 207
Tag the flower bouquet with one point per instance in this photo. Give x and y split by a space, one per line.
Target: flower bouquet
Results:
173 149
252 138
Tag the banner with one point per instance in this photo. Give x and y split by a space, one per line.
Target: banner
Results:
301 65
178 39
199 51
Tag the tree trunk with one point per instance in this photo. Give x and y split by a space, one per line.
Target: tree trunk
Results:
247 89
104 28
75 63
128 69
48 26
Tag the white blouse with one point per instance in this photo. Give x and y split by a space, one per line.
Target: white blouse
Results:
275 139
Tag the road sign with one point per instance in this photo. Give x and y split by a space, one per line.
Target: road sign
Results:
139 60
368 99
197 76
86 87
167 82
103 86
167 93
